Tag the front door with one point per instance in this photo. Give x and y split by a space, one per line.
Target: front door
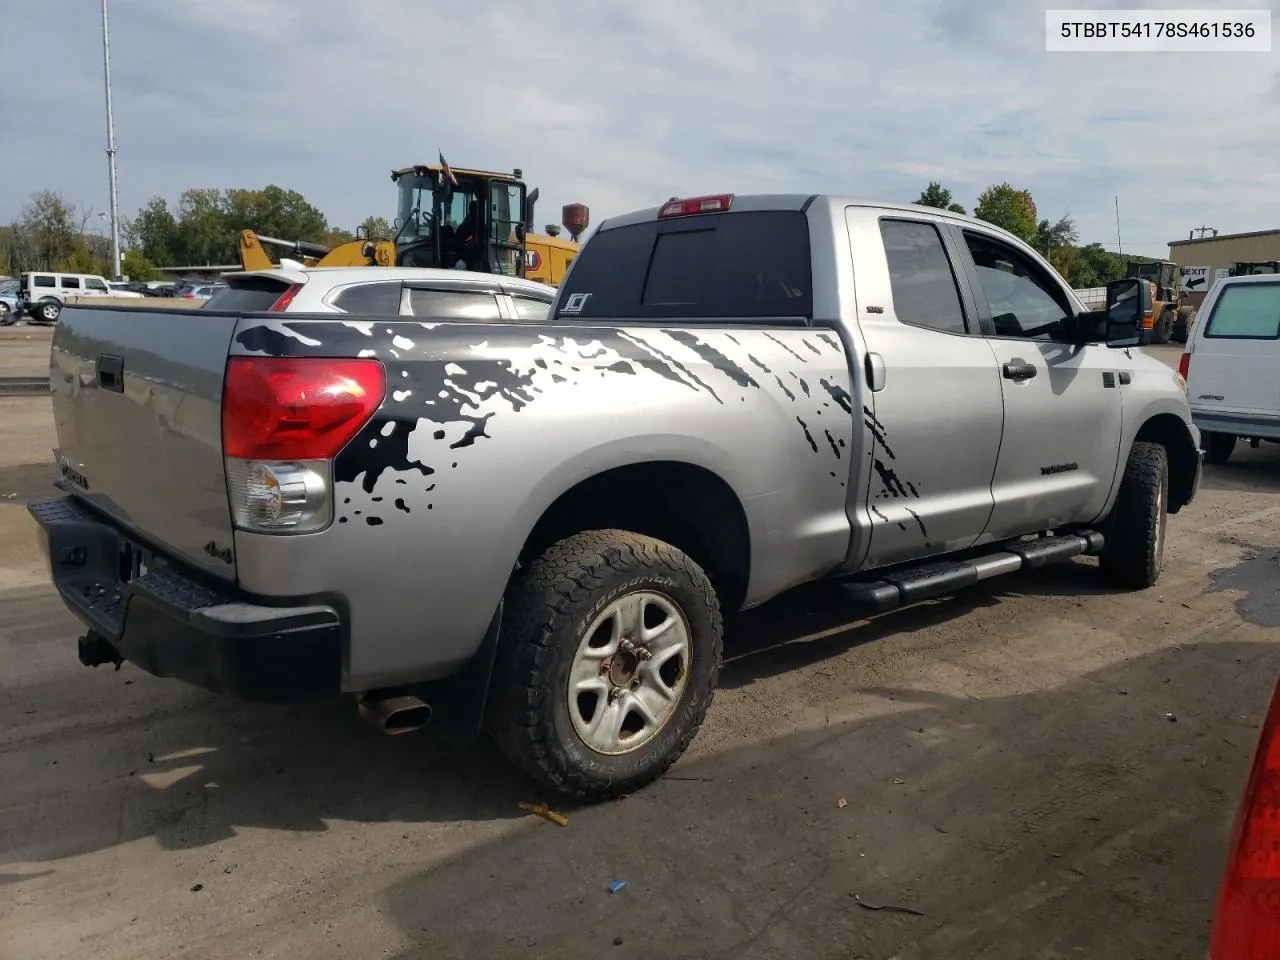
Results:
935 416
1063 410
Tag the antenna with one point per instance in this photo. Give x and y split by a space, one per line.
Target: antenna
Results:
1119 245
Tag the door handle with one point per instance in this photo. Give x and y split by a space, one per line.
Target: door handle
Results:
874 366
1018 371
111 373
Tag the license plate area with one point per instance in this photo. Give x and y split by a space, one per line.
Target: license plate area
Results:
135 561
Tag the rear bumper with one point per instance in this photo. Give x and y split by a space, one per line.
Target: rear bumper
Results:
171 624
1239 425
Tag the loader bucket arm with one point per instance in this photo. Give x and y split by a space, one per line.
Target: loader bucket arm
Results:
252 256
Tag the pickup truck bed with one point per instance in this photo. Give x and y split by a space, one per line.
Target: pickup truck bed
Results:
541 525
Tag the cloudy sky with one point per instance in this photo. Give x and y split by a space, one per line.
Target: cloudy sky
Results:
623 105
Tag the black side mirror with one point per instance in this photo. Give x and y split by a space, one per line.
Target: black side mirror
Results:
1129 316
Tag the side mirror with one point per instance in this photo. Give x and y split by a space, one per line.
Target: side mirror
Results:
1129 316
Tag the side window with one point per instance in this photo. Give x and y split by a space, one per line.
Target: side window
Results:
374 299
1019 296
924 287
454 304
527 308
70 283
44 280
93 283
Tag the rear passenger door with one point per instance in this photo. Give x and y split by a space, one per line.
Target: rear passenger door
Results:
936 413
1062 403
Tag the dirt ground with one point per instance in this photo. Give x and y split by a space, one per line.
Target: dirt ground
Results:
1039 767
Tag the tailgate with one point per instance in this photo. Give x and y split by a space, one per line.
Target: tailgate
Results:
137 400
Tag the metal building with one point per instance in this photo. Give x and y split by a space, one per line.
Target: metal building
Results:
1220 253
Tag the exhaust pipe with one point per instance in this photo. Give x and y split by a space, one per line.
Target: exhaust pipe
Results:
394 712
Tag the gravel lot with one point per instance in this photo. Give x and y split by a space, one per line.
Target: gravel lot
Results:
1007 760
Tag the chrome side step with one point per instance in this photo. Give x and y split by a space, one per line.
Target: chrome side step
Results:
911 584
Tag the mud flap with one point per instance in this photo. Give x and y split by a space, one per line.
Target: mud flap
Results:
458 702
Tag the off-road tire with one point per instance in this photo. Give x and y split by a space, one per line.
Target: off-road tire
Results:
1135 532
1164 327
45 307
1218 446
1182 324
548 606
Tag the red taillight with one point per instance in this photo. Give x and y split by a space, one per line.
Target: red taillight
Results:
1247 926
297 408
188 296
286 298
1184 365
717 203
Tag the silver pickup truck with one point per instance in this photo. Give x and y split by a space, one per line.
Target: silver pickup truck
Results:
535 528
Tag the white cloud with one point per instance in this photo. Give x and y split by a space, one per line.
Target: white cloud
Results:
623 106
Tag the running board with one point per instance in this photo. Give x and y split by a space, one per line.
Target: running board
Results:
924 581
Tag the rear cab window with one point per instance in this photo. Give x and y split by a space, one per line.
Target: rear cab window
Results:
1245 311
743 265
245 294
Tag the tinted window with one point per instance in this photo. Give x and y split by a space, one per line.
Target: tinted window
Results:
94 284
528 308
244 295
454 304
44 281
70 283
732 265
924 286
1019 298
1246 311
374 299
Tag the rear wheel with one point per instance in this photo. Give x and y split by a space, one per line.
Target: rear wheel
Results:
47 311
610 651
7 318
1182 324
1134 551
1218 447
1164 327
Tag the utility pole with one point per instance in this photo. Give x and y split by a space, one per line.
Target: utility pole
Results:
1119 245
1202 231
111 147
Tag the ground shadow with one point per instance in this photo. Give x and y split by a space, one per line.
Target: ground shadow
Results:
1248 470
23 482
1073 821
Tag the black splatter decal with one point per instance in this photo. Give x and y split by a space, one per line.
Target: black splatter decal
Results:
373 521
622 366
401 505
758 364
835 448
876 510
800 380
872 424
889 480
832 341
783 387
807 435
770 336
839 394
811 347
713 356
666 366
919 523
475 430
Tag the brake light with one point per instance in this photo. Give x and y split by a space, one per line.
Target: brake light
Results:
1247 925
286 298
1184 365
716 203
297 408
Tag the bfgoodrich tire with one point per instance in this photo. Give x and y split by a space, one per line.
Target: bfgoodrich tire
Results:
1218 447
608 660
1134 551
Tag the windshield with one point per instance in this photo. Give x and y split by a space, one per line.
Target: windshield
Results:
1148 271
415 208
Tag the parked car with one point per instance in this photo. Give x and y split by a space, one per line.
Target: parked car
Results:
11 307
45 293
1232 365
538 526
1245 925
197 291
386 291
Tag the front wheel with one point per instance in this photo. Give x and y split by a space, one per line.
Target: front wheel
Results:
610 652
1134 551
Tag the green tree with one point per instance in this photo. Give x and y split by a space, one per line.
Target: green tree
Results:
48 232
1096 266
376 228
204 235
154 232
82 260
1050 236
135 265
936 195
1014 210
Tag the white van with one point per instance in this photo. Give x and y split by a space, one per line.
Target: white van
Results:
45 293
1232 365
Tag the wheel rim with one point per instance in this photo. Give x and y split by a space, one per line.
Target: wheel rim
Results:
49 312
1160 517
629 673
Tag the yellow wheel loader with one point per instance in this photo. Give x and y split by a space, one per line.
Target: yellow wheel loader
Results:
1170 319
448 218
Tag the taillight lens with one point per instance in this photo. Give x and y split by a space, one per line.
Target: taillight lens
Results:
297 408
1247 926
286 298
691 206
1184 365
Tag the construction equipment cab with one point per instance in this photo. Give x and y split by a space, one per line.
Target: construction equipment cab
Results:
468 219
1169 319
